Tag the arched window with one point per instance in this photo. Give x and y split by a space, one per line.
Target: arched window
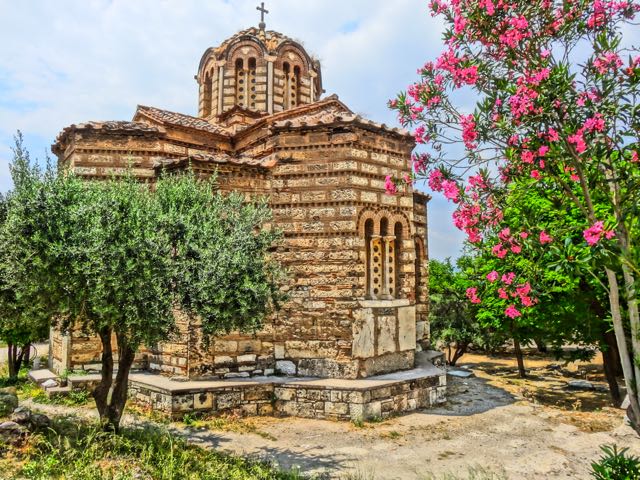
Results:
286 68
383 256
419 265
240 83
397 261
206 97
295 87
251 84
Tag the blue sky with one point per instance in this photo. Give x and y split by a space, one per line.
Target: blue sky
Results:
68 61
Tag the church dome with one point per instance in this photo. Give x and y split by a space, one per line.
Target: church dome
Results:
258 70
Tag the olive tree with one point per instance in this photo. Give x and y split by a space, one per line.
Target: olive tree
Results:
119 258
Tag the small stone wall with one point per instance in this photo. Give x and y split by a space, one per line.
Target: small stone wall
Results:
321 399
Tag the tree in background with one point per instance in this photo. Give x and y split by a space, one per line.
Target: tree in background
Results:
21 322
557 104
118 259
452 318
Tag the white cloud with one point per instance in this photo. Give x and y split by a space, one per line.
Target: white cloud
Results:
76 60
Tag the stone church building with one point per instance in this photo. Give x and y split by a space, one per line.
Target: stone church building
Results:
356 256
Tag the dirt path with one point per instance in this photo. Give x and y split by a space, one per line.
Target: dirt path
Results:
481 426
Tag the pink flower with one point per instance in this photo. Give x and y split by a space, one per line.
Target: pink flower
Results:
505 234
516 249
502 293
535 174
542 151
524 235
472 295
545 238
469 134
523 289
499 251
606 62
419 134
420 162
527 156
595 123
512 312
595 232
527 301
493 276
634 157
450 190
578 140
508 278
390 186
435 180
553 135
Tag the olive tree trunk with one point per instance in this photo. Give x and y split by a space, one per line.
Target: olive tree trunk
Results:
111 394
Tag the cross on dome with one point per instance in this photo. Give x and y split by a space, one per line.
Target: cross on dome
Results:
262 11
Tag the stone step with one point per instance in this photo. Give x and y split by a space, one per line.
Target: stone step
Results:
58 391
42 375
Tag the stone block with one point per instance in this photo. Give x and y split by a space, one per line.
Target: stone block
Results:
286 367
363 334
182 403
336 408
225 346
203 401
249 346
286 394
386 335
237 375
407 328
222 360
228 400
250 358
372 410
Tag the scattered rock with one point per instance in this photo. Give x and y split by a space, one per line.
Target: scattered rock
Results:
580 385
460 373
8 403
33 421
39 421
12 433
21 416
49 383
8 391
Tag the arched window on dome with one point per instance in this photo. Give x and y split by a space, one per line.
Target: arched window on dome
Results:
207 95
295 87
251 84
241 79
286 68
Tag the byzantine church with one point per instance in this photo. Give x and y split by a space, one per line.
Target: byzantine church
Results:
356 257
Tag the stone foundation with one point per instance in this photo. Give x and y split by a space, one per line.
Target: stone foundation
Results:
365 399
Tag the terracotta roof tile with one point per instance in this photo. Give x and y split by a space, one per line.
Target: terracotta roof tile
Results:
180 119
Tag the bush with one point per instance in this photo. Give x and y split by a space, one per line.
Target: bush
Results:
616 465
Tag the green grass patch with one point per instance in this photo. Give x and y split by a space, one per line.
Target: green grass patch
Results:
76 450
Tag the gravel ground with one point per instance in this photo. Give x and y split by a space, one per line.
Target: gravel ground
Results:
480 426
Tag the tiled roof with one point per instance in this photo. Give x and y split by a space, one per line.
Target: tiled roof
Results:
333 115
180 119
124 127
272 39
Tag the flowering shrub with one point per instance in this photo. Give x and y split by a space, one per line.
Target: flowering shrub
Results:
557 111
